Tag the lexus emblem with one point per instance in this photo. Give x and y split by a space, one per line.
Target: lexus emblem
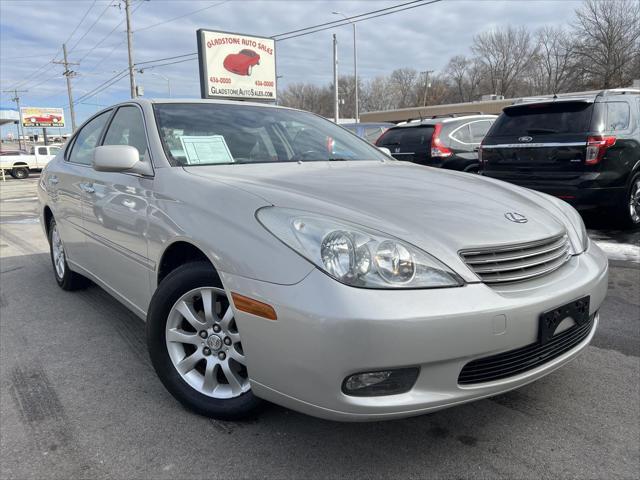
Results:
515 217
525 139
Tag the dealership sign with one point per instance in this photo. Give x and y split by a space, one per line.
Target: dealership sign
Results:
236 66
42 117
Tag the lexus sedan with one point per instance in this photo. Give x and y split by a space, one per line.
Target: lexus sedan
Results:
276 256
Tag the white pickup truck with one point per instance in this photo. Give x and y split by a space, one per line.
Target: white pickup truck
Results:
19 164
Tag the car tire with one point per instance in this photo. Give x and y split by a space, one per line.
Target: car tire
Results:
177 347
475 169
629 211
20 173
65 277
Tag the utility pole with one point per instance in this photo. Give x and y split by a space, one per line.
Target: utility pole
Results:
355 65
16 98
69 73
336 100
132 79
426 85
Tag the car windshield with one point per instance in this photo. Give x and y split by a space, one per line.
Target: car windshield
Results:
543 118
217 133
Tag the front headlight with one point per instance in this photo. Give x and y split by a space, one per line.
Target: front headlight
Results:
578 226
356 255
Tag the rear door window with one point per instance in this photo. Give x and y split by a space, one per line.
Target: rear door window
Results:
462 134
618 115
479 130
407 139
372 133
42 150
544 118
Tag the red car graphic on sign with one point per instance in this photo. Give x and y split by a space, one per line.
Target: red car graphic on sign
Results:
241 63
46 118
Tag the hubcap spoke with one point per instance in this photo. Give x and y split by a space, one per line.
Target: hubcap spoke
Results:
207 302
189 315
188 363
236 355
210 381
234 384
226 319
180 336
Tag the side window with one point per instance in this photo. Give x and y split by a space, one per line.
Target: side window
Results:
127 128
479 130
372 133
54 150
462 134
87 140
617 116
42 150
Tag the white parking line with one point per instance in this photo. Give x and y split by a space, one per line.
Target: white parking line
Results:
620 251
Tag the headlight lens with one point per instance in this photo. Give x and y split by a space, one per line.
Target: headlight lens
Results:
356 255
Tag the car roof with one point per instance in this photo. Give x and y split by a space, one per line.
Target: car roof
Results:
443 119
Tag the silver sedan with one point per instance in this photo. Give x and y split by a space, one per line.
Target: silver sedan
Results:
276 256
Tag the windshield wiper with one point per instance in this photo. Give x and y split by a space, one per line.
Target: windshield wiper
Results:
541 130
338 159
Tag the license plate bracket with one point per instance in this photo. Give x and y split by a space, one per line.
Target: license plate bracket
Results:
549 320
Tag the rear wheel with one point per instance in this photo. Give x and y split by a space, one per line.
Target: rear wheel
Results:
630 210
20 172
195 345
67 280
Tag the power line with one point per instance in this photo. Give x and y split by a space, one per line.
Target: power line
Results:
333 22
91 27
345 22
148 27
79 23
325 26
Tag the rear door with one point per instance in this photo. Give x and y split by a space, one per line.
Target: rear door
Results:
541 140
410 144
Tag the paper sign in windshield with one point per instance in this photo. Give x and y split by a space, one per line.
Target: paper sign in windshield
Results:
206 150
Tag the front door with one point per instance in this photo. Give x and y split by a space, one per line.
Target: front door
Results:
115 216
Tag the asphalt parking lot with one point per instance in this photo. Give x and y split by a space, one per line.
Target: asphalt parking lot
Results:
79 398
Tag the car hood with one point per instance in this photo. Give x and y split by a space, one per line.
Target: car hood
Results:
437 210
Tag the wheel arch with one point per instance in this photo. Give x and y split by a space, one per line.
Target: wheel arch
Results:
178 253
47 215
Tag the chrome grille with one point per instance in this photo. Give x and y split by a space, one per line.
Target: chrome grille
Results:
515 263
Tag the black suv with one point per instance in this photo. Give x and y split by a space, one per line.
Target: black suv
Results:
448 141
582 149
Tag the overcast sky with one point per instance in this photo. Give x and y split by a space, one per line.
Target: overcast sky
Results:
423 38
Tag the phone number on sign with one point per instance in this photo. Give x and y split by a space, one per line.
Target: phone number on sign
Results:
263 83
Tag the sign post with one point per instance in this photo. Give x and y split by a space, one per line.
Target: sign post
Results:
236 66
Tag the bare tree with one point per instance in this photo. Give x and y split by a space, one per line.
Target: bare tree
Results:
553 66
505 54
403 81
465 75
608 41
376 95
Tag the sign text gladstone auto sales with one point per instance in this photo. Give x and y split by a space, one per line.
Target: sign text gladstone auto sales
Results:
236 66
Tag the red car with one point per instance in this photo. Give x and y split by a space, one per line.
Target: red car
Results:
241 63
46 118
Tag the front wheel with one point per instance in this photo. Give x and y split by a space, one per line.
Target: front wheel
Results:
195 345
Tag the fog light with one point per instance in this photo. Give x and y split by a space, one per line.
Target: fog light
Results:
384 382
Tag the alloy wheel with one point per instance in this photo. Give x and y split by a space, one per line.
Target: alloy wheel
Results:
204 344
58 252
634 202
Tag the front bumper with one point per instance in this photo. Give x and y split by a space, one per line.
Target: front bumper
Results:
326 331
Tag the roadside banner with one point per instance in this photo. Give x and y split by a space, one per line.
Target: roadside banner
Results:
42 117
236 66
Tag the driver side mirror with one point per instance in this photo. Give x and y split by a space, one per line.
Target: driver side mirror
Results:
119 158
